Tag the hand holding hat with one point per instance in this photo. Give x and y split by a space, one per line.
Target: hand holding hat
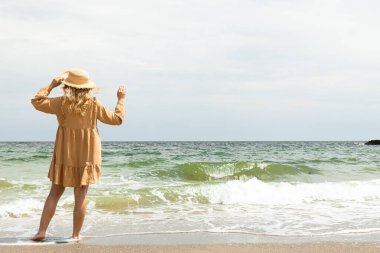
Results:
76 78
56 81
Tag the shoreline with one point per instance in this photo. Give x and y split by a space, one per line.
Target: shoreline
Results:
194 238
321 247
195 242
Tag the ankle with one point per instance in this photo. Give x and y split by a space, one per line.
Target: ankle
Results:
41 232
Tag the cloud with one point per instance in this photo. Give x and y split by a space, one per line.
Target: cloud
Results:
216 63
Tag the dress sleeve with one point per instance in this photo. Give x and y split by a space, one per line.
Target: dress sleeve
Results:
44 104
108 117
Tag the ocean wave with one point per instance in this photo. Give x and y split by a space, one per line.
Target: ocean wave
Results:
4 184
28 158
20 184
132 164
249 191
20 208
334 160
209 171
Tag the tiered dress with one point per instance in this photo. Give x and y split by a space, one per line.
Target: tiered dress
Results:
76 159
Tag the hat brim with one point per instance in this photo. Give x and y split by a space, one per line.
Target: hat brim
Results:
88 85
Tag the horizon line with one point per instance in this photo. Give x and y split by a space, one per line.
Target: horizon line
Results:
209 141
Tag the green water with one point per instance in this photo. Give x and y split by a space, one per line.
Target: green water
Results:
271 188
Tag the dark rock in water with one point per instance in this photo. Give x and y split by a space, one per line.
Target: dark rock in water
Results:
373 142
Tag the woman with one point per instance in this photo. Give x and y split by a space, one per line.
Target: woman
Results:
76 160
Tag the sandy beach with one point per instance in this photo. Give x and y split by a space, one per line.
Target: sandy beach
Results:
220 248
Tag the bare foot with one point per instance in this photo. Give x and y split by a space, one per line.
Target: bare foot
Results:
39 237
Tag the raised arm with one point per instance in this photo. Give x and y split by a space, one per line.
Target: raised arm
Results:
44 104
116 117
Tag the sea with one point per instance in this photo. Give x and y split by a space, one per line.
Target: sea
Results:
309 190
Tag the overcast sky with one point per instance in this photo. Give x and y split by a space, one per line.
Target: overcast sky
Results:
199 69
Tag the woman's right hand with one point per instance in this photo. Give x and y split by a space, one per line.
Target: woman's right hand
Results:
121 93
56 81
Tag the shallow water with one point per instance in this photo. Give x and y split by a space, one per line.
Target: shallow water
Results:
259 188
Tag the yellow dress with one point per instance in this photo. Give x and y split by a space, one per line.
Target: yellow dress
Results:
76 158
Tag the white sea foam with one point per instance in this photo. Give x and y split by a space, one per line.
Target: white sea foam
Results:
262 165
20 208
159 194
249 206
254 191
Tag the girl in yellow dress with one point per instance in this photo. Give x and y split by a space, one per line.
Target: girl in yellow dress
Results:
76 160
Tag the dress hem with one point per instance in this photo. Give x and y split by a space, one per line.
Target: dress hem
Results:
72 176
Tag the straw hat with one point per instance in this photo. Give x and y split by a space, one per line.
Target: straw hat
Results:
78 78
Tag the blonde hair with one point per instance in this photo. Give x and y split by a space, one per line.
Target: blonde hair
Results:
76 100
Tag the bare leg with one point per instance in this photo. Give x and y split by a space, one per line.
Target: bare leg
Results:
56 192
80 194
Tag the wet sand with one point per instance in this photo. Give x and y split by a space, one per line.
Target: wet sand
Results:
217 248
